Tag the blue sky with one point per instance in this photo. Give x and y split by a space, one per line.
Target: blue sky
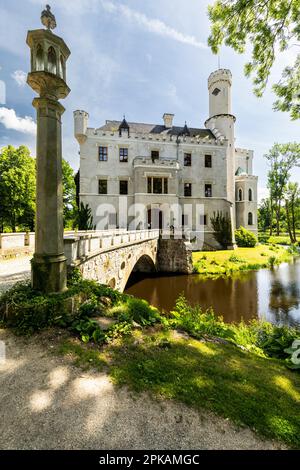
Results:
135 57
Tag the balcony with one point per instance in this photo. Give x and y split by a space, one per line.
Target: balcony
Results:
167 163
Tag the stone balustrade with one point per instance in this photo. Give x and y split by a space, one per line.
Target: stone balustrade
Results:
19 240
15 241
81 245
158 162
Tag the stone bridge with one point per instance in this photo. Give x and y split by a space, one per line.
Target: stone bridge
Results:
110 258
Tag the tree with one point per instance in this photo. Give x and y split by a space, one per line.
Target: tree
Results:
222 228
270 26
69 194
292 199
17 188
85 218
282 159
264 215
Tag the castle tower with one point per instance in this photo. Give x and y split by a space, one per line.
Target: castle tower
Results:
221 123
80 125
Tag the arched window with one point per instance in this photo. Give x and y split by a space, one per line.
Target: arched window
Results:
39 64
52 61
240 195
62 64
250 218
250 194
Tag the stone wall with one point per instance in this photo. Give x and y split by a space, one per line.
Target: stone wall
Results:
174 256
114 267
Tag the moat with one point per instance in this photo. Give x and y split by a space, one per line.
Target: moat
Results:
272 294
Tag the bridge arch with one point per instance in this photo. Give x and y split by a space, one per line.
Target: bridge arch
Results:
144 264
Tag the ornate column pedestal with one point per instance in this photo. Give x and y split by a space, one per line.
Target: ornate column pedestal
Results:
49 271
47 78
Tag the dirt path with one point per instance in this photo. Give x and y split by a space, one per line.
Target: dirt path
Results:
47 403
12 271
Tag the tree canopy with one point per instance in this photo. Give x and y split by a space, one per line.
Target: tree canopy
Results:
18 190
270 26
69 194
282 158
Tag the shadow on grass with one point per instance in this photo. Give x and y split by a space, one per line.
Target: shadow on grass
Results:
256 392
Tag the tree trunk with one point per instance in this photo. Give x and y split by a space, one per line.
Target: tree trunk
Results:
293 221
288 220
278 219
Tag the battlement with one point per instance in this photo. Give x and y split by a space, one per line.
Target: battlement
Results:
219 75
81 113
114 135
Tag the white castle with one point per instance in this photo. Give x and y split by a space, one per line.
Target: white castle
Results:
128 164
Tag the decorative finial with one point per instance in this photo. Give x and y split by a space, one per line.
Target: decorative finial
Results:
48 19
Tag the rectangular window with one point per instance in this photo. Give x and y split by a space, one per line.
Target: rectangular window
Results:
203 219
187 159
123 155
208 161
208 190
187 189
165 185
102 186
154 155
185 220
103 154
124 187
157 185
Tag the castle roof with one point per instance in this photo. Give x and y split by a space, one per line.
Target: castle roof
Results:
141 128
240 172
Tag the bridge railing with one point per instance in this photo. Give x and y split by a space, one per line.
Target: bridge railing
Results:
19 240
84 245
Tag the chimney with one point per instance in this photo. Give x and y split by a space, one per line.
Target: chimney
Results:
168 120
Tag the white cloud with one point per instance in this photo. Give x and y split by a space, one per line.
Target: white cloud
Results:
152 25
20 77
10 120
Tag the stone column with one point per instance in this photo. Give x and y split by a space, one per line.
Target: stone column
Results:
49 269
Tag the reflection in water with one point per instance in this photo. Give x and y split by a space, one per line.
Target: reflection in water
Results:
273 294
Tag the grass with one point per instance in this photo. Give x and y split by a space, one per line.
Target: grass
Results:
87 357
225 262
282 239
236 371
249 390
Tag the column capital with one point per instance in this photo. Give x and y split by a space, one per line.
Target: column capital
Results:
48 105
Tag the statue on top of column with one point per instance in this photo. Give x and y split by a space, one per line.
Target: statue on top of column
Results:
48 19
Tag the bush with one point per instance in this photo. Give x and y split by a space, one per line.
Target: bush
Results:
198 322
141 312
244 238
222 228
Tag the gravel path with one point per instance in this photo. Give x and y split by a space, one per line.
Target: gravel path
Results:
12 271
47 403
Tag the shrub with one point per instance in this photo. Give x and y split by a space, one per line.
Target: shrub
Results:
222 228
140 311
198 323
244 238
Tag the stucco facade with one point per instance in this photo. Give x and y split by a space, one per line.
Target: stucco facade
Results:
130 168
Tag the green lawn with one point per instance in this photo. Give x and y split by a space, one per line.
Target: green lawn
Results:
251 391
213 263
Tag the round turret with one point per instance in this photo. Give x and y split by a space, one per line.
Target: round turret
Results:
219 86
80 125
